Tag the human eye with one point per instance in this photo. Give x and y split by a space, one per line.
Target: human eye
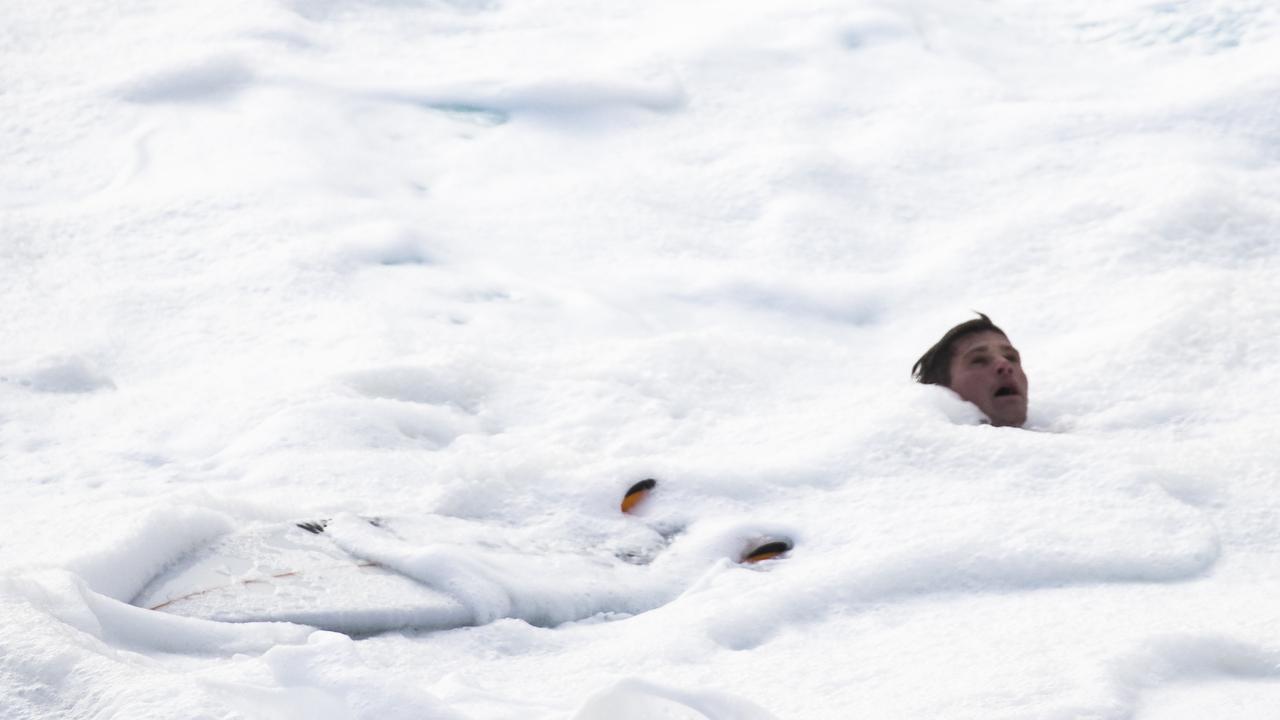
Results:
979 360
1014 357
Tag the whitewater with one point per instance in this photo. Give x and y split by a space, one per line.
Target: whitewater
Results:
474 267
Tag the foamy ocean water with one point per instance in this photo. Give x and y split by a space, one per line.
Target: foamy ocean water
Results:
473 267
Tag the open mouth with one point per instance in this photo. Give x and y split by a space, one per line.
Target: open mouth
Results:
1007 391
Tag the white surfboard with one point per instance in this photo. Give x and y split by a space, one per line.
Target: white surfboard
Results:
431 572
285 573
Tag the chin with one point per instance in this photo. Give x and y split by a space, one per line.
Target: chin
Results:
1008 419
1010 415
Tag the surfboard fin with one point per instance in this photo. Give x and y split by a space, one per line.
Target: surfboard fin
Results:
315 527
637 494
766 549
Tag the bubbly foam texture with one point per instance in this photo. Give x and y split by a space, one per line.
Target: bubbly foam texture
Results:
475 267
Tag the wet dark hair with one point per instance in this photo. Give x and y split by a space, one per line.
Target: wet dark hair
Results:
934 366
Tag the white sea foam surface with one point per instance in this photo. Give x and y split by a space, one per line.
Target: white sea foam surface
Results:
473 267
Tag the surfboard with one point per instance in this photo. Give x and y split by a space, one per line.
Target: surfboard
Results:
297 572
286 573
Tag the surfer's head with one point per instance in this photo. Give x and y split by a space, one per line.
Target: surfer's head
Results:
976 360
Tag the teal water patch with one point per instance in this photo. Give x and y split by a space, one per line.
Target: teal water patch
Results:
475 114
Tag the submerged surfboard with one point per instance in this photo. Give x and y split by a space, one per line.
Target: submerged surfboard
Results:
287 573
427 573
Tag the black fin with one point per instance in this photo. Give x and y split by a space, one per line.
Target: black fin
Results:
637 493
767 549
315 527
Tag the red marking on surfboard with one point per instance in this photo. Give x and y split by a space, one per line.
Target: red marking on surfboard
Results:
291 573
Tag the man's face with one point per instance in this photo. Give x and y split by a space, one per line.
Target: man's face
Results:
986 370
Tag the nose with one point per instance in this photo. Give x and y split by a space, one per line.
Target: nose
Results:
1003 366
